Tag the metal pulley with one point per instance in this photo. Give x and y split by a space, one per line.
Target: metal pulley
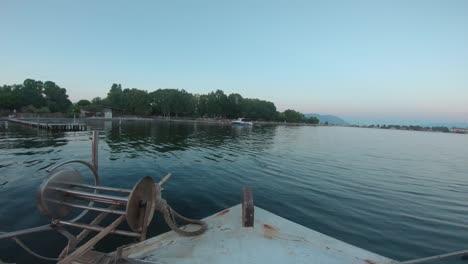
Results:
66 190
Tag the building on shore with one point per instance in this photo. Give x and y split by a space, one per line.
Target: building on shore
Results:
106 112
111 112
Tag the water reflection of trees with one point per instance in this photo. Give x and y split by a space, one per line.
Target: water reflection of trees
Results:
257 137
162 137
142 135
17 136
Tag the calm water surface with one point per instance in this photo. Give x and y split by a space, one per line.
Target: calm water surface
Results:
400 194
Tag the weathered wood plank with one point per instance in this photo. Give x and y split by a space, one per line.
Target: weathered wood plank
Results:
93 241
85 232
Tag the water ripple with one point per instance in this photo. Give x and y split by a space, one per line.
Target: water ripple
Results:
402 195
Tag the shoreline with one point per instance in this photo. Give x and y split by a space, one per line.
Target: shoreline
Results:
196 120
216 121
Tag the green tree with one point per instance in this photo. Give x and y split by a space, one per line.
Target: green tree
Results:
292 116
9 97
161 102
234 107
136 101
97 105
56 97
97 101
217 104
32 93
313 120
258 109
188 103
175 102
115 97
202 105
83 103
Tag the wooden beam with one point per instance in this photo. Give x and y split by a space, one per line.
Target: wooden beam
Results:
93 241
85 232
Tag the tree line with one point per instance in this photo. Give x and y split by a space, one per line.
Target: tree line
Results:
35 95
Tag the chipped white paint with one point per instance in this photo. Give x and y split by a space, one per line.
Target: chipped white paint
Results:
272 240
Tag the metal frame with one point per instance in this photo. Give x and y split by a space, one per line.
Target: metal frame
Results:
92 166
139 202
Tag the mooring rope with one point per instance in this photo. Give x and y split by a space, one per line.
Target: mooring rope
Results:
170 216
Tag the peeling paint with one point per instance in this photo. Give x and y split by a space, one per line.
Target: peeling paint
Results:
269 231
223 212
269 227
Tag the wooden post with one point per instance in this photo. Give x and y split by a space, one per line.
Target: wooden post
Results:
95 143
247 208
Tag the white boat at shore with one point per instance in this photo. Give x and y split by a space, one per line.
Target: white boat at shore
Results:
242 122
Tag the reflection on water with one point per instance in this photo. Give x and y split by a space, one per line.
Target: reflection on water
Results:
401 194
20 137
156 138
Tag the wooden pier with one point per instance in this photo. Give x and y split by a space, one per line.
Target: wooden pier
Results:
51 126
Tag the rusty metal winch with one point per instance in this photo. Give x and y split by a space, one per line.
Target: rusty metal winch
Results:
62 191
66 191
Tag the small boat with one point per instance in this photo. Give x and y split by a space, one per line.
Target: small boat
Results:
242 122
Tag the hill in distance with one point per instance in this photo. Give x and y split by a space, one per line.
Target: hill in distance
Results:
331 119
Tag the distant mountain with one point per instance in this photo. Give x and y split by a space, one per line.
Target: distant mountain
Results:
331 119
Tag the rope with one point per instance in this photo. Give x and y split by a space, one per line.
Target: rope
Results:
30 251
170 216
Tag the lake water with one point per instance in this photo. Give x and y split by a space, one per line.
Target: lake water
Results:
401 194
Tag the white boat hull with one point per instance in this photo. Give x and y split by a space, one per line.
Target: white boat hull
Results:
241 123
273 239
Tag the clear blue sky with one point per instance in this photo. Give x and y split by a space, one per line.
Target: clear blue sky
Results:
361 60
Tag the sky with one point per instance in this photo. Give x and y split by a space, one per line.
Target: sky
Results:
364 61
